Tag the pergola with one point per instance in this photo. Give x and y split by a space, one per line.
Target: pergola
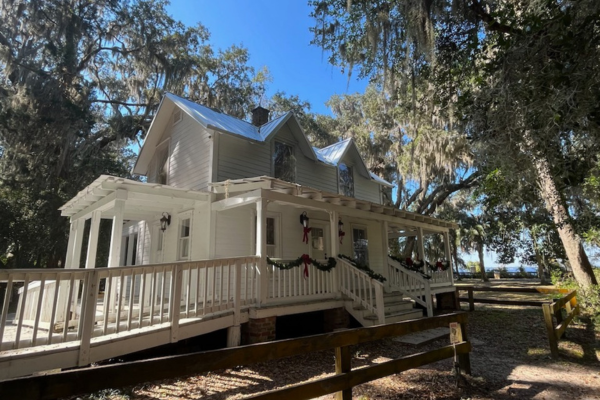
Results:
121 200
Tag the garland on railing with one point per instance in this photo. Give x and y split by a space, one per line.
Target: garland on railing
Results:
409 265
364 268
301 260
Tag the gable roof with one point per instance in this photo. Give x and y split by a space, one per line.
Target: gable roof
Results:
216 120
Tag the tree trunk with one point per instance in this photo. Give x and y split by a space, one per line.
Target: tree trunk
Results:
556 206
409 246
539 258
481 265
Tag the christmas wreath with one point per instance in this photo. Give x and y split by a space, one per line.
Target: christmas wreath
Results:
410 265
365 268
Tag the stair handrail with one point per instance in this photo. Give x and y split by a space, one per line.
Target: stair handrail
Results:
351 288
411 283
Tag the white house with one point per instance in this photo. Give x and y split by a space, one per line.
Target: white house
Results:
189 246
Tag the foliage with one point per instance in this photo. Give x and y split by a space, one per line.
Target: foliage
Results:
79 83
588 298
363 267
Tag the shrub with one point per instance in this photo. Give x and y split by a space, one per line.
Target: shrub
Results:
588 298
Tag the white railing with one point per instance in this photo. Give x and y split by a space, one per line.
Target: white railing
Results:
440 278
292 284
59 306
361 288
412 284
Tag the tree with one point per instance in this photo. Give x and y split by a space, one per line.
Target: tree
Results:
79 81
519 79
473 237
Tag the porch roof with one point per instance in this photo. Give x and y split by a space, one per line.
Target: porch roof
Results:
304 196
143 200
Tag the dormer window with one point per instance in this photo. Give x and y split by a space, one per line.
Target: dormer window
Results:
177 116
346 180
284 162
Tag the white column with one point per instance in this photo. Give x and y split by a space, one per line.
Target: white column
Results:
90 261
114 257
384 247
448 255
335 248
261 248
70 245
421 248
74 256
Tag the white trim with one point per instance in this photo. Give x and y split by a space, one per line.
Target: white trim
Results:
180 218
276 216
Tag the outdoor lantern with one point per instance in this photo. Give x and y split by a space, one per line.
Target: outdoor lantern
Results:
165 221
304 219
340 226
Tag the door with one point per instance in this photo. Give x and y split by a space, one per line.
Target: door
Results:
319 241
360 245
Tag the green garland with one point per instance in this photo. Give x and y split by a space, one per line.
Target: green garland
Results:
413 268
298 262
365 268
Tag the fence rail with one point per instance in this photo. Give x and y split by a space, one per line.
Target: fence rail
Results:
87 380
552 309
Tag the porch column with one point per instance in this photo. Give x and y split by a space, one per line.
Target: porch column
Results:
261 249
114 257
74 253
421 248
90 261
448 255
334 217
384 248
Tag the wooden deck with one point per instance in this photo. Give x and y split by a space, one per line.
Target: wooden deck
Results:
59 319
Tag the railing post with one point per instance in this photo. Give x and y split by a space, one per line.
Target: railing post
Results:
234 332
176 302
87 317
471 300
428 300
343 364
335 246
379 303
548 312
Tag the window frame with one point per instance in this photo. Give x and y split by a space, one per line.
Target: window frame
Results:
366 230
293 155
176 119
180 239
341 187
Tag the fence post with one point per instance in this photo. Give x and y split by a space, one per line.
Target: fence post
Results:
177 280
428 300
464 360
471 300
548 312
343 364
87 316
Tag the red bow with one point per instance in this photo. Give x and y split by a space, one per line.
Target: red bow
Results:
439 266
305 237
307 262
409 261
341 234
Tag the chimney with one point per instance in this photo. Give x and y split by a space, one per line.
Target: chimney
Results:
260 116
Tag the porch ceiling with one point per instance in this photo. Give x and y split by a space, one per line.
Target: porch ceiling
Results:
250 189
140 200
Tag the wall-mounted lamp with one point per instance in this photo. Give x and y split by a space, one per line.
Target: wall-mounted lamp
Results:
165 221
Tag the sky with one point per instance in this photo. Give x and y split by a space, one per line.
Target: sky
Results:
276 34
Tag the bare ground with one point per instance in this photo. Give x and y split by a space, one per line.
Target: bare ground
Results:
510 360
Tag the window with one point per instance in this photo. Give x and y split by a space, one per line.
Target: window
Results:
317 239
184 239
177 115
360 245
161 167
346 181
284 162
271 237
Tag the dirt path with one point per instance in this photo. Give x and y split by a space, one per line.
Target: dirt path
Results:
510 360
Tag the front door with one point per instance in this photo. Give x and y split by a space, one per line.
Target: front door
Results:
319 241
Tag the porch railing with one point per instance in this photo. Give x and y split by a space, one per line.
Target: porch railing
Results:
411 284
65 305
362 289
290 285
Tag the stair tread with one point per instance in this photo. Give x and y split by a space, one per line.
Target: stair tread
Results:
373 317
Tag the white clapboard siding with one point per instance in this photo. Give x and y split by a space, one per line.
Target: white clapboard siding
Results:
189 160
235 233
365 189
239 158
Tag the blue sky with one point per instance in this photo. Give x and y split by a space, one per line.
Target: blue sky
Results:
276 33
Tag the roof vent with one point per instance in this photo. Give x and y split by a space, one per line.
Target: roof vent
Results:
260 116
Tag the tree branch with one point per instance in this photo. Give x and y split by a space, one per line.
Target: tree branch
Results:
121 103
492 24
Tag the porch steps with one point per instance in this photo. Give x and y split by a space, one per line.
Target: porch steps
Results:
396 309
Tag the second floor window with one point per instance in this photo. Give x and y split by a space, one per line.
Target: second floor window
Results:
284 162
346 181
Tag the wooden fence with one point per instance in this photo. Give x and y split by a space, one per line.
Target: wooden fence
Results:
552 309
88 380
